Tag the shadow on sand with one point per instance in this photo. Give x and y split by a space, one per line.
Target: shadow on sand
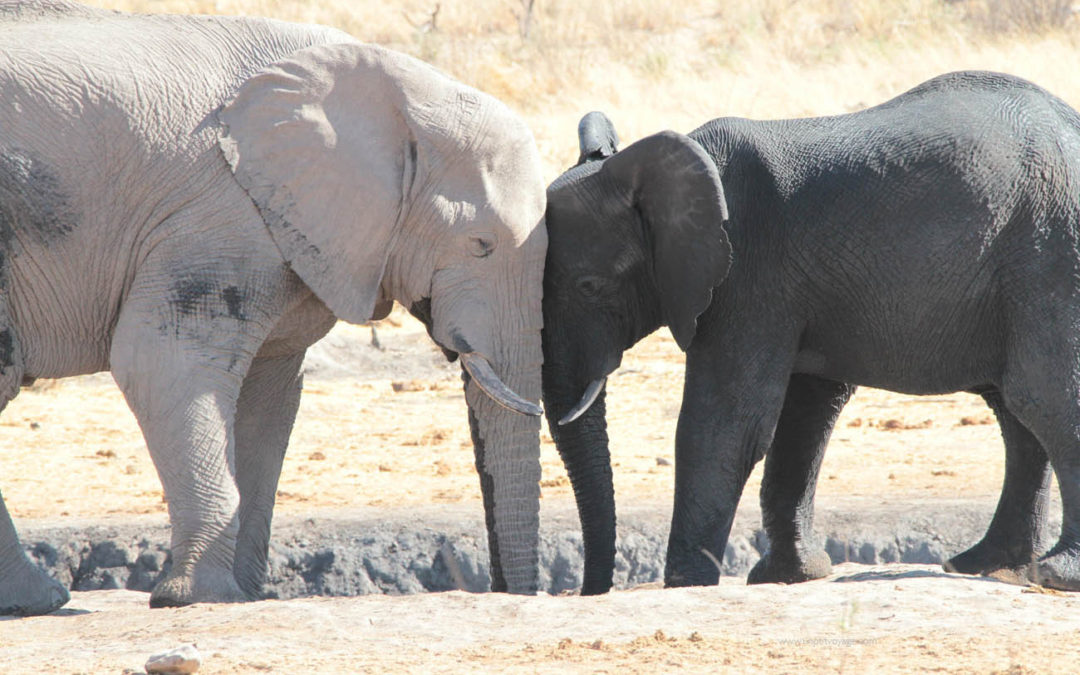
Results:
887 575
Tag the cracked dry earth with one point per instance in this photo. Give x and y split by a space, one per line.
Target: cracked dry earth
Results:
386 428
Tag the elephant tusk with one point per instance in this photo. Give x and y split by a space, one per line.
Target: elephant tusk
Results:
480 371
587 399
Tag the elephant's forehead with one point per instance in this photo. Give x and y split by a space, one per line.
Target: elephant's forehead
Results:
514 186
625 258
601 247
515 226
455 211
589 233
581 206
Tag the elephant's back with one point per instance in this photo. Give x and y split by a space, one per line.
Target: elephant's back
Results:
978 140
112 114
159 76
979 91
108 146
13 11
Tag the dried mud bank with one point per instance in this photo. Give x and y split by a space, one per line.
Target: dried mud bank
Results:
439 548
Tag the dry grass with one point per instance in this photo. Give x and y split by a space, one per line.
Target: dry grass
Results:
1027 16
654 64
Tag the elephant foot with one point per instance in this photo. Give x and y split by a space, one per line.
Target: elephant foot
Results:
178 589
1060 569
594 586
986 558
30 592
683 576
699 570
795 568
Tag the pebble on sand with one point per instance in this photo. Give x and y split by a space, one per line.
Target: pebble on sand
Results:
183 659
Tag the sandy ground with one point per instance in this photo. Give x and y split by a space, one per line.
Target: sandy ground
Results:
899 618
393 434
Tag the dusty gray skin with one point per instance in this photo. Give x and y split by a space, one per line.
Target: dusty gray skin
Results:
190 202
926 245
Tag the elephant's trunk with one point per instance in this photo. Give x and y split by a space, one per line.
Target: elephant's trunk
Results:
583 446
507 446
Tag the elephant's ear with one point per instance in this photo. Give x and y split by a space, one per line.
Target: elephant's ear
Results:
597 139
322 143
675 187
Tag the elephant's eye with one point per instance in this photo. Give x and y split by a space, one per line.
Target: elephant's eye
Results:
482 245
590 286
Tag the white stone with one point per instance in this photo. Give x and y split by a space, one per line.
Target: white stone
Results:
183 659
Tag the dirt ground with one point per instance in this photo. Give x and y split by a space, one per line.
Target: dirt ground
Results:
392 433
897 618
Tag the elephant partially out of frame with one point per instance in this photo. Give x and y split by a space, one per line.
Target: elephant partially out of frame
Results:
190 202
930 244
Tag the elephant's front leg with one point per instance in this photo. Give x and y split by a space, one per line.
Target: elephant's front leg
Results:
265 414
181 348
729 412
811 407
186 410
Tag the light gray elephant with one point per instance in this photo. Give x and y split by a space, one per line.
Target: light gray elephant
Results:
190 202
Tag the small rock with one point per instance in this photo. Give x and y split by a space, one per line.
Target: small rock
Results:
412 385
663 461
183 659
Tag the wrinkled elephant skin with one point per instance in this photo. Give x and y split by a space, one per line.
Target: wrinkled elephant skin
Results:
926 245
190 202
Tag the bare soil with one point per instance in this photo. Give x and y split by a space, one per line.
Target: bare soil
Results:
386 428
883 619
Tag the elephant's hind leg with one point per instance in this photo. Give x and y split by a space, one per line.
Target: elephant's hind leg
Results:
1043 391
25 589
1015 536
811 407
265 414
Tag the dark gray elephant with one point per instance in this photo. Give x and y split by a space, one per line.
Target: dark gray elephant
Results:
930 244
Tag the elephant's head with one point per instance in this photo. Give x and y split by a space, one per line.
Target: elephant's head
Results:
636 241
381 179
